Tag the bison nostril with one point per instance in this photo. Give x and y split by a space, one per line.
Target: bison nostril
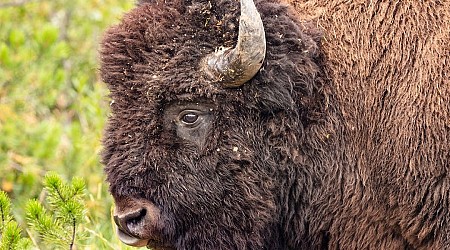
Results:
136 217
131 222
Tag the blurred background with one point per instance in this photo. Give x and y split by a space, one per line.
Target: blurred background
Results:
53 106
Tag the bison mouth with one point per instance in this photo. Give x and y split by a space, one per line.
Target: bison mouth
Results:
131 240
155 244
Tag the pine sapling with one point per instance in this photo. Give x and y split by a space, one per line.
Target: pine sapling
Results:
57 224
10 233
5 210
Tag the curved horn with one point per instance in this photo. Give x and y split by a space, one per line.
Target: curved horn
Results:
235 66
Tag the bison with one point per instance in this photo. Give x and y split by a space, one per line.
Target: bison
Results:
315 124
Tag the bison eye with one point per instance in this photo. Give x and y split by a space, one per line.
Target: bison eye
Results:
191 121
189 118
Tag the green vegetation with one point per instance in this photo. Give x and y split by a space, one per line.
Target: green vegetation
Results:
53 108
60 226
10 233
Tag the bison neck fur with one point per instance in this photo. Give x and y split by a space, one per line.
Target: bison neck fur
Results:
340 141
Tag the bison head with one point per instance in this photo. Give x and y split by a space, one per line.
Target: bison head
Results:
205 148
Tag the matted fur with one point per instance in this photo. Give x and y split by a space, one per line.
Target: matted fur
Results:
340 146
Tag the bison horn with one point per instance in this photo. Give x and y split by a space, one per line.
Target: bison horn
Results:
234 66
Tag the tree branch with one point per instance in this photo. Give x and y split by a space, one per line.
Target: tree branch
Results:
15 3
74 227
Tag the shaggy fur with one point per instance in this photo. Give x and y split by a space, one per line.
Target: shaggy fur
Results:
340 146
389 63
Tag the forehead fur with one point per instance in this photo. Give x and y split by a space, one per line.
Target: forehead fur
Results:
166 41
156 50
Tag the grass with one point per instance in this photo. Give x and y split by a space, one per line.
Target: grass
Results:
53 106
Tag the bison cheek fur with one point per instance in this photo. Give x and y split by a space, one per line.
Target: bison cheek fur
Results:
227 194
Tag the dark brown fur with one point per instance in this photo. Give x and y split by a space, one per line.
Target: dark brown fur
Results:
343 145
